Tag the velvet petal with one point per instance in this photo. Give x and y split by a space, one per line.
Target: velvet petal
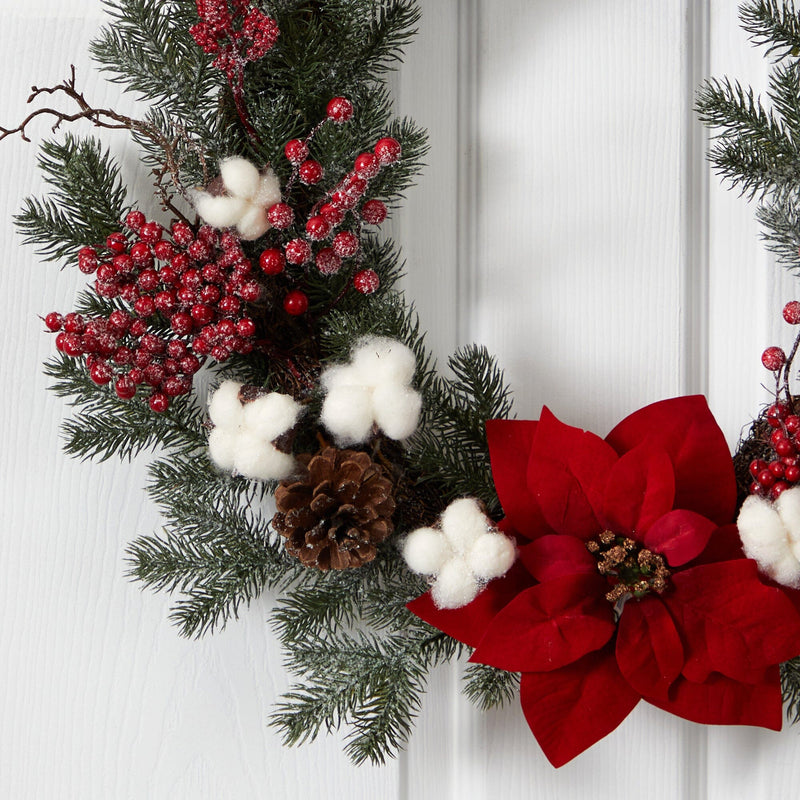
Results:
685 428
680 536
553 556
548 626
572 708
649 649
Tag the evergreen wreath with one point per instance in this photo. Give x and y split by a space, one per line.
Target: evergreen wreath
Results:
413 519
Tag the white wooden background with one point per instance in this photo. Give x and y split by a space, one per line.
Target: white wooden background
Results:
568 222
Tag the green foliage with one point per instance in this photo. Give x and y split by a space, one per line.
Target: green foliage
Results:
488 687
773 25
86 202
790 681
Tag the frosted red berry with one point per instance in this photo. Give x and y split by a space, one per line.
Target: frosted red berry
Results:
328 263
296 151
773 358
298 251
53 321
280 216
373 212
339 110
116 242
310 172
134 220
367 165
125 387
272 261
295 303
387 150
158 402
366 281
87 260
150 232
332 213
317 228
345 244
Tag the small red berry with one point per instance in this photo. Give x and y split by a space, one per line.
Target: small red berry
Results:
180 262
186 296
144 306
777 436
341 199
296 151
70 343
328 263
776 413
210 295
125 387
165 302
339 110
272 261
777 469
387 150
373 212
791 312
192 279
182 233
226 328
355 186
331 213
366 281
280 216
202 314
141 254
119 319
298 251
367 165
295 303
785 448
138 328
158 402
87 260
154 373
250 292
74 323
148 280
199 250
317 228
123 356
201 346
106 273
189 365
246 327
345 244
163 250
182 323
230 304
101 373
220 353
778 489
117 242
792 473
310 172
134 220
773 358
151 232
765 478
54 321
792 423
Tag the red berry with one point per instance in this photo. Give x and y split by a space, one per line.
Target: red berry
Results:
152 343
298 251
117 242
791 312
182 234
180 262
792 423
246 327
164 250
134 220
310 172
165 302
280 216
367 165
777 436
220 353
773 358
317 228
339 110
355 186
53 321
158 402
295 303
792 473
87 260
151 232
119 319
199 250
250 292
230 305
154 373
776 413
138 328
226 328
272 261
777 469
101 373
785 448
765 478
201 346
141 254
189 365
212 274
328 263
202 314
74 323
373 212
70 343
182 323
366 281
106 273
186 296
208 235
125 387
148 280
387 150
777 489
123 263
331 213
144 306
192 279
210 295
123 356
296 151
345 244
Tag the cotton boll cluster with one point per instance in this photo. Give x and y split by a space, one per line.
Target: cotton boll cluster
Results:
770 534
462 556
373 389
243 434
248 195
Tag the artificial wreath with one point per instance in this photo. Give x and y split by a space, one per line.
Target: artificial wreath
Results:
413 518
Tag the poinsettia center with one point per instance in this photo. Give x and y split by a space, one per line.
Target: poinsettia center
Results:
631 570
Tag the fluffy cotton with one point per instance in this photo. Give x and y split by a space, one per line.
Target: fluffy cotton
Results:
461 556
770 535
243 434
248 196
373 389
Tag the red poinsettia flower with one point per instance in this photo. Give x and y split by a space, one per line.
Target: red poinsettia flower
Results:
631 583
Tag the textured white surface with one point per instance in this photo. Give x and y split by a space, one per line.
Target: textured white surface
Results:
553 224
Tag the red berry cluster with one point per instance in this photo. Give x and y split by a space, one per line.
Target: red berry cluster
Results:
198 283
318 240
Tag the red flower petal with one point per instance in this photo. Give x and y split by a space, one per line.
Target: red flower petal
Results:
724 545
567 474
553 556
469 623
680 536
685 428
649 650
640 489
732 623
722 701
570 709
510 443
549 626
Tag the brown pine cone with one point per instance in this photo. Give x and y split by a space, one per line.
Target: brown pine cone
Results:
337 511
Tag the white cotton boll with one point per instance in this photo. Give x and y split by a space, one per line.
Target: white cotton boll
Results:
269 190
347 414
379 360
455 585
788 507
224 406
222 447
763 535
259 459
491 556
337 376
270 416
396 409
252 223
221 211
426 551
241 178
785 571
463 522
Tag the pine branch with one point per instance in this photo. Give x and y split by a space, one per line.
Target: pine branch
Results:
781 221
774 25
488 687
790 681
